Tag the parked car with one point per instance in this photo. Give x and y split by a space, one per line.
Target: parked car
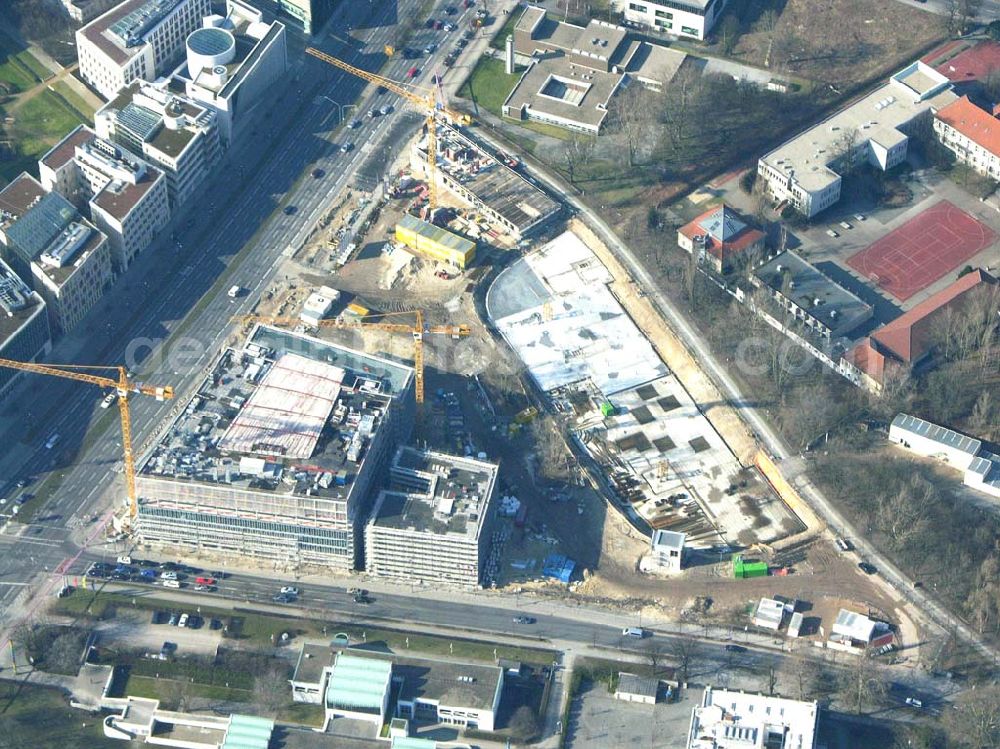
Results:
289 590
182 622
108 400
355 124
317 173
289 210
524 620
735 649
637 632
345 147
281 598
846 225
867 568
832 233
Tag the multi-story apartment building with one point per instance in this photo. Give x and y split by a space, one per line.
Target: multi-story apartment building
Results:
127 197
177 135
137 40
687 18
24 325
15 199
434 523
232 63
972 134
274 456
805 171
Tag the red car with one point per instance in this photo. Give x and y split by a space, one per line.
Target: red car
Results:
411 73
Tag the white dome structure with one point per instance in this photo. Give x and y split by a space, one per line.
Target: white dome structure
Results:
209 48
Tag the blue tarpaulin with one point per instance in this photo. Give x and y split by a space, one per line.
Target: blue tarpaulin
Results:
559 567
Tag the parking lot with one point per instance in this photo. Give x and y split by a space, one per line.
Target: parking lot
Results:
597 721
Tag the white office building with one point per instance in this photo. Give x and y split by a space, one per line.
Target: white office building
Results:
434 522
127 197
177 135
980 467
137 40
666 555
738 720
805 171
231 64
686 18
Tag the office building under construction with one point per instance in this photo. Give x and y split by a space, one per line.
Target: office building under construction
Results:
274 457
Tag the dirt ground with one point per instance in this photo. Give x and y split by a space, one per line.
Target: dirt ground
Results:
839 41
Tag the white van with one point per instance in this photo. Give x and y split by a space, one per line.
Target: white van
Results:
234 291
171 584
634 632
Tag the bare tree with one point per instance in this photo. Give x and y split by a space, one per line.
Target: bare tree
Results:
523 724
864 685
577 152
270 689
631 113
550 448
905 514
770 676
685 653
804 676
729 34
975 721
63 655
768 20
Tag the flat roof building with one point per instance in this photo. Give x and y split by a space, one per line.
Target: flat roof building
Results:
232 63
85 11
137 40
62 256
683 18
805 171
435 520
804 292
514 205
666 552
128 198
574 71
980 466
738 720
177 135
770 613
273 457
142 720
632 688
15 199
425 690
24 325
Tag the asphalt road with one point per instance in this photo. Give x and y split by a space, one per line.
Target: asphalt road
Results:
236 237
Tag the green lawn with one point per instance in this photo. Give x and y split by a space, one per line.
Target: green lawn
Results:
507 29
32 63
32 716
38 125
158 689
489 86
13 74
302 714
72 98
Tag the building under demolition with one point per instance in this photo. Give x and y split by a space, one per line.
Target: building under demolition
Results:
274 456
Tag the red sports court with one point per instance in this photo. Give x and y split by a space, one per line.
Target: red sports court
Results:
922 250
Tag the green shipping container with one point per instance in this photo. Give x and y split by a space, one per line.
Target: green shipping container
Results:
607 409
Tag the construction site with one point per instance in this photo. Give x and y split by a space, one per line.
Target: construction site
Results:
573 386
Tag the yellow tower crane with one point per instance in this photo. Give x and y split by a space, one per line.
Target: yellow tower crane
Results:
421 96
122 386
418 330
